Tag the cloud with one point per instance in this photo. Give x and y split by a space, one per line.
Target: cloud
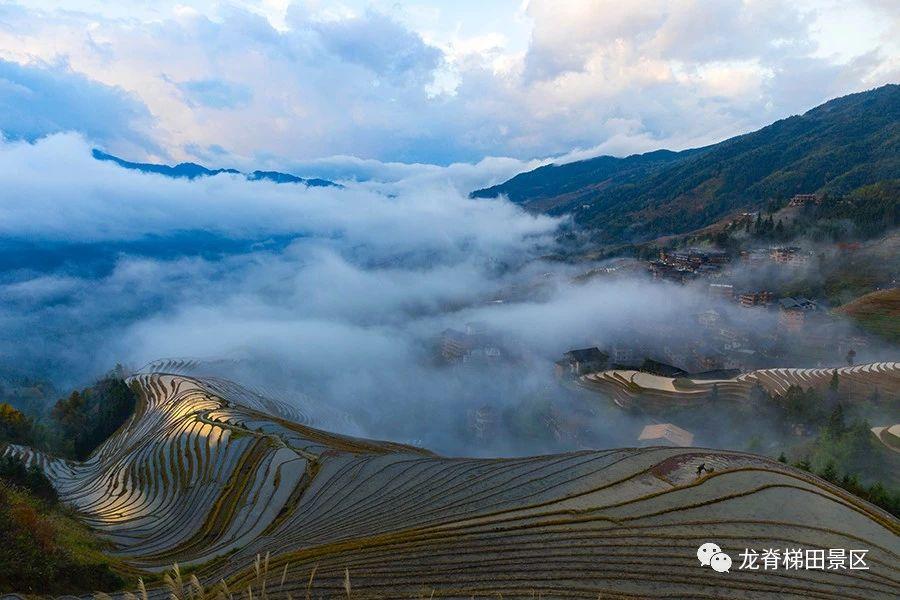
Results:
329 81
349 277
40 99
74 197
334 298
380 44
215 93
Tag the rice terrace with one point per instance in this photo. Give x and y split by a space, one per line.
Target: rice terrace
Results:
627 387
210 475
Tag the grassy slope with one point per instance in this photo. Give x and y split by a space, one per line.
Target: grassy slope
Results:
879 312
45 550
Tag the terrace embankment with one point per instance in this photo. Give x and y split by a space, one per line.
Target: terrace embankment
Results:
210 474
634 388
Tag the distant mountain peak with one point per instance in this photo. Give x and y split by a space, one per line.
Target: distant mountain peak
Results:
189 170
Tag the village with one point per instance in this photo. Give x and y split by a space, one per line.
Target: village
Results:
737 324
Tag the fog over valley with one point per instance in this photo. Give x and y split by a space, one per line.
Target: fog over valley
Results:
337 299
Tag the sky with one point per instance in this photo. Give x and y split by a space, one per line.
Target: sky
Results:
359 89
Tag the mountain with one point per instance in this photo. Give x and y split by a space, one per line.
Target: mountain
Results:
193 170
832 149
212 475
288 178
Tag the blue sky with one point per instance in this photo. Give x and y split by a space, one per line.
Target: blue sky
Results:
293 85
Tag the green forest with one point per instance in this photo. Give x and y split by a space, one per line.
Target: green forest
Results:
848 149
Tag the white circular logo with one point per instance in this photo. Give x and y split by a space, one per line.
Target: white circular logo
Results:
706 552
720 562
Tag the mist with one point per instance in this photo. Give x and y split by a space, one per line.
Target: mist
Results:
331 299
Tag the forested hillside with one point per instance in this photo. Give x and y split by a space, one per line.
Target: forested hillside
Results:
833 149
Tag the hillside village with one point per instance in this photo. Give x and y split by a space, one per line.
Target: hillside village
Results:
799 283
761 302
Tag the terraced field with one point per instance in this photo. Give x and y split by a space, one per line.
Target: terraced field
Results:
209 474
627 388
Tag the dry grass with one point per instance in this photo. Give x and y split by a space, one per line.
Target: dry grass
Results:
879 312
190 588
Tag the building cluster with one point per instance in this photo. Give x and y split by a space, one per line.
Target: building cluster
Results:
783 255
719 347
684 265
715 347
792 312
572 428
747 299
720 342
471 345
665 434
789 255
804 199
483 423
581 362
724 291
758 298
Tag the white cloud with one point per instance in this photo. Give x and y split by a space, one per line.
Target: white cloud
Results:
74 197
40 99
453 83
338 293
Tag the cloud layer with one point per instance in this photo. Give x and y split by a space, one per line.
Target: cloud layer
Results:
336 296
258 87
36 101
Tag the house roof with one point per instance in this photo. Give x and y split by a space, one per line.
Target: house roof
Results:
587 355
663 369
668 432
796 303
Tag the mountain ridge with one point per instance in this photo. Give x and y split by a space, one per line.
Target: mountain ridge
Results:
834 148
189 170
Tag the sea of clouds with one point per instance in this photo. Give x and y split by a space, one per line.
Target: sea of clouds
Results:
334 297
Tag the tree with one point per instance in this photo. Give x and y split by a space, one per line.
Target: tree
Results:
804 464
801 406
829 473
851 356
14 470
836 421
755 444
15 427
758 394
85 419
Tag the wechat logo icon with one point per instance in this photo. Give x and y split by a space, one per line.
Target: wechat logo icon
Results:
711 555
